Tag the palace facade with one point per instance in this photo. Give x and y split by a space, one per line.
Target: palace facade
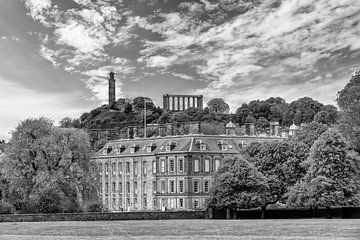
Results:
170 172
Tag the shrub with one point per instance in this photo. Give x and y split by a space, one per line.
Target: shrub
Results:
94 207
6 207
50 201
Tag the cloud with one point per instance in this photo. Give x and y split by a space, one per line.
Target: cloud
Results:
37 8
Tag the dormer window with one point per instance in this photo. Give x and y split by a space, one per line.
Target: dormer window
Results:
117 151
222 145
122 148
202 147
107 150
134 148
150 147
241 144
170 146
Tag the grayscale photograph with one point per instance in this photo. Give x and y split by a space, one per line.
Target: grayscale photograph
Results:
180 119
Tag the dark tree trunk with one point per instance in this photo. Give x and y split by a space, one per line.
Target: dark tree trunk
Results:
211 213
263 209
234 215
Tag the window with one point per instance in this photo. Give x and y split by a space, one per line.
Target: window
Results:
148 149
223 147
172 203
181 203
106 203
144 187
162 186
196 186
106 188
162 165
154 203
101 189
181 186
113 168
240 144
171 165
202 147
207 165
135 202
172 186
154 187
117 151
168 148
132 150
127 167
196 165
120 168
181 164
120 188
206 186
144 168
128 202
100 169
128 187
135 188
154 166
120 203
135 168
114 203
145 203
113 187
196 203
217 164
106 168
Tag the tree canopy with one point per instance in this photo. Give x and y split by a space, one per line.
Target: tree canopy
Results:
41 157
333 178
218 105
237 185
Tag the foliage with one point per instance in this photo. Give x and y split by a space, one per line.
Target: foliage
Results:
237 185
349 103
70 123
138 103
310 133
95 207
280 163
218 105
262 124
333 178
6 207
40 154
50 201
212 128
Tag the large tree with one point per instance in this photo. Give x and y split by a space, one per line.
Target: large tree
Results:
333 178
218 105
40 157
281 164
349 103
237 184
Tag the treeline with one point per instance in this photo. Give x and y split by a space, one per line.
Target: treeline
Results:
319 167
261 112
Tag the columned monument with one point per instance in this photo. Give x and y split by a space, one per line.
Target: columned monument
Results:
175 103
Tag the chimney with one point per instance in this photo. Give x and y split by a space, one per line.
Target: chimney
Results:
111 90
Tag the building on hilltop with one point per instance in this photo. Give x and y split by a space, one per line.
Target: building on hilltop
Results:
169 172
175 103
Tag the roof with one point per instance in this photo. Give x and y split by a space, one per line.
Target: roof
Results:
177 144
294 127
230 125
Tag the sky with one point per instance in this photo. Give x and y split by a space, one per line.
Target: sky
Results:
55 55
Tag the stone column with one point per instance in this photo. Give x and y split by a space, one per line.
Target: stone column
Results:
183 103
193 99
178 103
188 102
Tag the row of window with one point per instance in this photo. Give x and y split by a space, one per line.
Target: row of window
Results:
208 166
171 203
173 186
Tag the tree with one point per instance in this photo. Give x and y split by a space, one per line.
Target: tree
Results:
333 178
307 107
310 133
262 124
218 105
349 103
237 185
138 103
280 163
40 155
68 122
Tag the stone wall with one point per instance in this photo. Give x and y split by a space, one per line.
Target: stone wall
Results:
150 215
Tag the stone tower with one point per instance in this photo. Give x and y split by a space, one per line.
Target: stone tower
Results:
111 89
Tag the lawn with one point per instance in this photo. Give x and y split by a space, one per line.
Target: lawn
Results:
186 229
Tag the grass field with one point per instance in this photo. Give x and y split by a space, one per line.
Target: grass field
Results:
186 229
